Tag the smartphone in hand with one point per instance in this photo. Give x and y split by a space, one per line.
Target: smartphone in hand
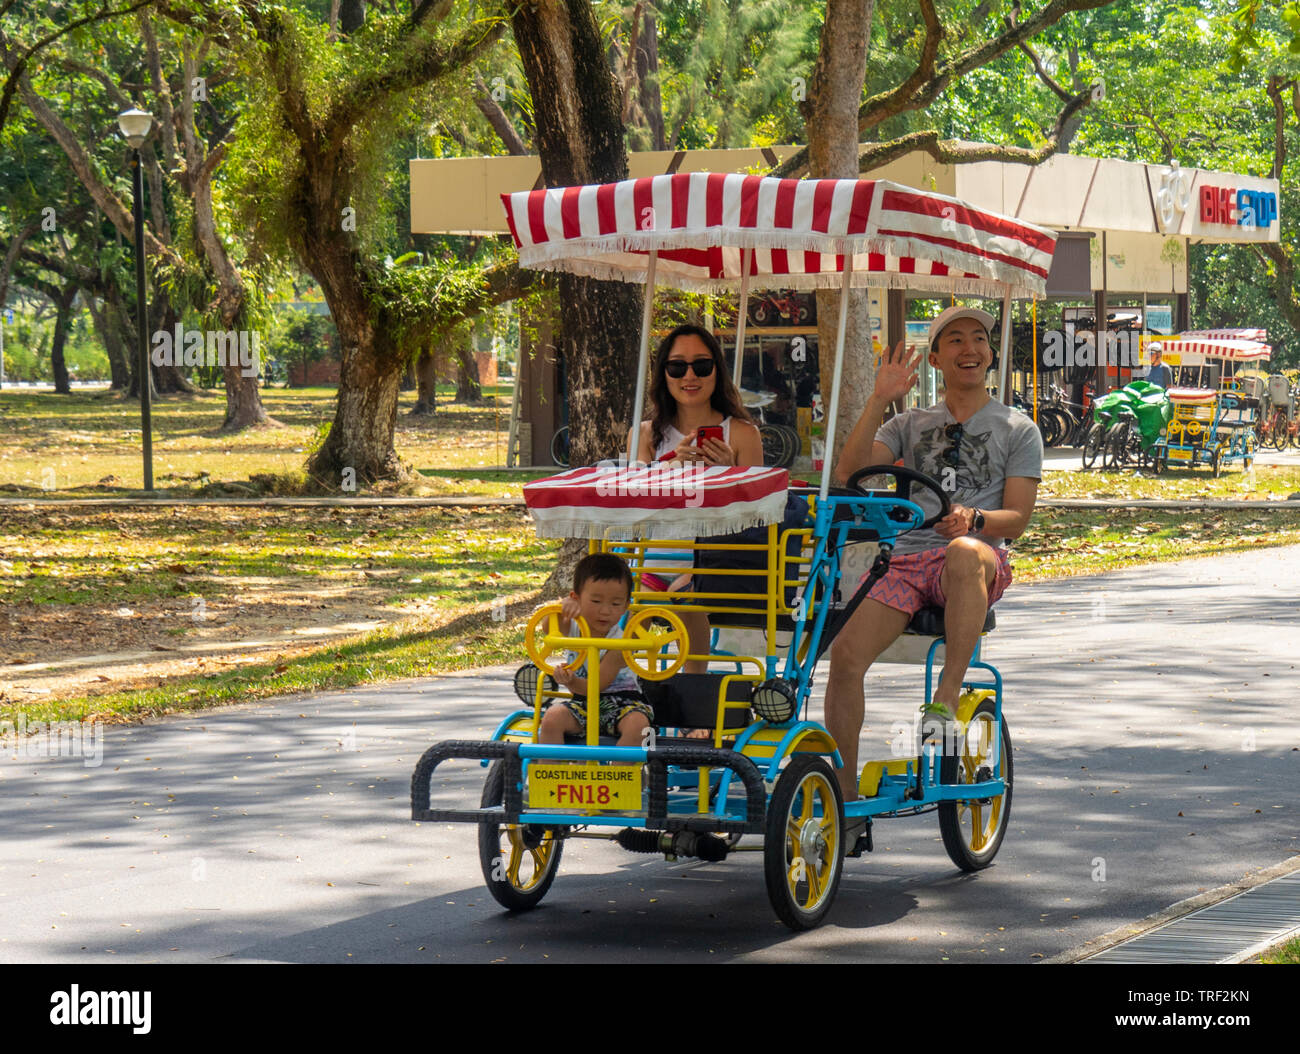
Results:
707 432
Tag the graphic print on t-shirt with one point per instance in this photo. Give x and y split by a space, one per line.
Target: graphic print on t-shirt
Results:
973 472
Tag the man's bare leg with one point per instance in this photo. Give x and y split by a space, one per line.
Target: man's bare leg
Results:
969 570
872 629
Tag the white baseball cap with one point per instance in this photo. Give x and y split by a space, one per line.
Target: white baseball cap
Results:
952 314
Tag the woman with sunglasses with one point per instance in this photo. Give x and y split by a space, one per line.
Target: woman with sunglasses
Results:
692 389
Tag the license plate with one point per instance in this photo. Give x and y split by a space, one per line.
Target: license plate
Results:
1180 455
586 787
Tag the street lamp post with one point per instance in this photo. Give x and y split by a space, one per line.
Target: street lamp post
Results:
135 125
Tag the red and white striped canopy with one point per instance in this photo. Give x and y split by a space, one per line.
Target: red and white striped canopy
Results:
1236 350
1225 334
794 231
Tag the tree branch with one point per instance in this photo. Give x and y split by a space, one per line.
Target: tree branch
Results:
1043 75
18 66
961 151
497 118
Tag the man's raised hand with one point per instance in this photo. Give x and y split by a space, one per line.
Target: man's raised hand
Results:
896 374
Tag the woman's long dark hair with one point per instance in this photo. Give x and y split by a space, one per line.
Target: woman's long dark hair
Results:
663 408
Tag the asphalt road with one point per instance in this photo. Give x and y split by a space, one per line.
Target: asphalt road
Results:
1157 754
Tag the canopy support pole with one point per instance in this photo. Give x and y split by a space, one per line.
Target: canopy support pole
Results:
1004 366
741 316
643 357
834 411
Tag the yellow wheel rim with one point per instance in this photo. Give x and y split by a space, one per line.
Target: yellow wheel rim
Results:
648 659
525 867
812 842
981 749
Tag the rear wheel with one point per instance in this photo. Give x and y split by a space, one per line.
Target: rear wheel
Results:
1277 432
560 447
1116 440
803 854
1093 444
973 830
1216 462
519 861
776 446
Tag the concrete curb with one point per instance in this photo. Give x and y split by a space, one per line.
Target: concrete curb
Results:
1175 911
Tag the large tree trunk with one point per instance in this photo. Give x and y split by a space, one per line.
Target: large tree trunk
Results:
62 320
426 384
831 117
580 137
647 68
167 380
359 448
244 407
468 388
106 325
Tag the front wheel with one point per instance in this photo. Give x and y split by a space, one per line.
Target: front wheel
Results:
803 854
519 861
973 830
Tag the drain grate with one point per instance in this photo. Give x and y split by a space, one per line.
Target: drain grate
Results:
1228 932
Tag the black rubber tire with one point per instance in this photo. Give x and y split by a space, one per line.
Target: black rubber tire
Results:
959 842
1093 444
1277 433
1050 428
538 847
793 445
1116 444
785 842
1216 463
560 447
1160 462
776 446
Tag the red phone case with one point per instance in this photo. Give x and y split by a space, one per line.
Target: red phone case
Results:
708 432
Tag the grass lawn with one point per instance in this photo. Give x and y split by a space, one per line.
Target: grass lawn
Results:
122 613
1266 482
1283 954
88 443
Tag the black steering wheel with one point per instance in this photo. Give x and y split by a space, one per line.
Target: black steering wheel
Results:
903 487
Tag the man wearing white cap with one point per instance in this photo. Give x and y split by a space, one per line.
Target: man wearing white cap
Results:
988 459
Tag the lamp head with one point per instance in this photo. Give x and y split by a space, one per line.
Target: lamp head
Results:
135 125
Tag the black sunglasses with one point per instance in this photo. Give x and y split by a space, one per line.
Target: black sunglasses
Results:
676 368
953 454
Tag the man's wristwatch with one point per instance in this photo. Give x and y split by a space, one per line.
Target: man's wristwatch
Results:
977 522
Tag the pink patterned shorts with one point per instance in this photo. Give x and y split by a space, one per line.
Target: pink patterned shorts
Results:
913 581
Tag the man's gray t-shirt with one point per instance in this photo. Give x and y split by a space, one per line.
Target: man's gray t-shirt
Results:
997 443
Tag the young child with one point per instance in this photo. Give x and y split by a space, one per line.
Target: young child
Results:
602 589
